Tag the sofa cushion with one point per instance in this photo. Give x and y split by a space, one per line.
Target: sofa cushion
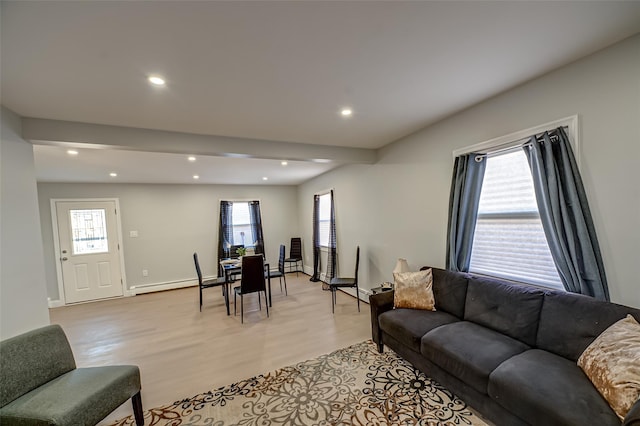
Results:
612 363
510 309
570 322
414 290
469 351
553 390
409 325
80 397
450 291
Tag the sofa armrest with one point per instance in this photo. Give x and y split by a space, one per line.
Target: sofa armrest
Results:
633 416
379 303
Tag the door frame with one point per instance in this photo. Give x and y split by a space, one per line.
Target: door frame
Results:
58 254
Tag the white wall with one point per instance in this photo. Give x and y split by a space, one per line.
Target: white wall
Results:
398 207
172 222
23 298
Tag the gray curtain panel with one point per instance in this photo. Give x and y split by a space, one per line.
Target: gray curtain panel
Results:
316 239
225 233
331 259
565 215
256 226
466 185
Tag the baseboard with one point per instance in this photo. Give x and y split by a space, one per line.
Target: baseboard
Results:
55 303
169 285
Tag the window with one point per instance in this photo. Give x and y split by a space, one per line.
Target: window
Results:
89 230
509 241
324 219
241 223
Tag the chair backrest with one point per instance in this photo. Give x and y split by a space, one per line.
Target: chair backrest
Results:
32 359
252 274
281 258
295 251
195 260
232 251
357 263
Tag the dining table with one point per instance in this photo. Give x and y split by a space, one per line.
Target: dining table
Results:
233 267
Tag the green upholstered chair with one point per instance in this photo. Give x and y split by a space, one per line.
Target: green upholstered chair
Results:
40 384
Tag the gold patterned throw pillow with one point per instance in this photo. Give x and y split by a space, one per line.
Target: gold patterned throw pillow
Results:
612 363
414 290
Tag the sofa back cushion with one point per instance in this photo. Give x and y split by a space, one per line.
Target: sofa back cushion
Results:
450 291
569 322
508 308
32 359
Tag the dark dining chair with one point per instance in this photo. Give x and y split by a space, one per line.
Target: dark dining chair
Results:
340 282
202 284
295 255
252 281
280 272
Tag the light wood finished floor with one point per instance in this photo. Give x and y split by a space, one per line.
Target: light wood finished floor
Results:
182 352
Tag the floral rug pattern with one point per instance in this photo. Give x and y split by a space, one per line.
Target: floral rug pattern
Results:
351 386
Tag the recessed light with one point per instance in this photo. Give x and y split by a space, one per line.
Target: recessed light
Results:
191 158
113 174
265 178
196 177
346 112
156 80
284 163
72 152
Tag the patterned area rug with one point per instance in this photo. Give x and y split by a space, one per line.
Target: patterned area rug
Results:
351 386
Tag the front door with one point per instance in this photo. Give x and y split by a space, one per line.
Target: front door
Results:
89 250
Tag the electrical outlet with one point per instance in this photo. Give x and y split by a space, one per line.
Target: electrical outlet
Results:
133 234
145 273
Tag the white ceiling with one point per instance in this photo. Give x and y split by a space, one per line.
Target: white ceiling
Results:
275 71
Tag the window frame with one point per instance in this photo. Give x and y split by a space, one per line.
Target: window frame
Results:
247 244
512 141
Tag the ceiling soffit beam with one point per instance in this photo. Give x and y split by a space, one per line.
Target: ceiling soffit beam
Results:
99 136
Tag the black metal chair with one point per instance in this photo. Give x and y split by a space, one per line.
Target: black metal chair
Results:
340 282
215 282
295 255
252 281
280 272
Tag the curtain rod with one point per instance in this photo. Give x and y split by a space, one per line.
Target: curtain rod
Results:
512 146
326 191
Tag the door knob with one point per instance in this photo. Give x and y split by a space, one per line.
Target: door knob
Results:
63 258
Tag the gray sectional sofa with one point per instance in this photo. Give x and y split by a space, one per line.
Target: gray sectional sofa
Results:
508 350
41 386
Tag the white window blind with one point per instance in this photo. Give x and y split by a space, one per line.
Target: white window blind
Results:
509 241
324 219
241 220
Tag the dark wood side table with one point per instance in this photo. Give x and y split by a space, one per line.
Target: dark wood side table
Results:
380 289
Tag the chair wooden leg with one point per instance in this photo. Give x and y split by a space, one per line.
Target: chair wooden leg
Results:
136 401
200 288
285 285
265 302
